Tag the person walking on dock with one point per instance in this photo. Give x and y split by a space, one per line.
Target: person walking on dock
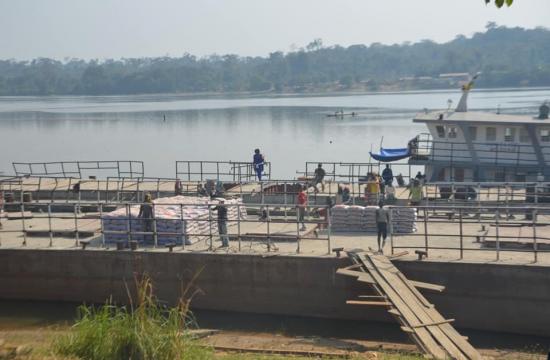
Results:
415 192
302 203
146 213
222 223
319 177
258 161
178 187
382 220
387 175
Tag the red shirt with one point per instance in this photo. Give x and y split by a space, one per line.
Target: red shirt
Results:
302 198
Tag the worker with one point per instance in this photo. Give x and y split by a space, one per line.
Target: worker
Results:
222 222
302 203
390 194
421 178
415 193
400 181
319 176
346 197
372 190
146 213
382 220
258 162
178 188
387 175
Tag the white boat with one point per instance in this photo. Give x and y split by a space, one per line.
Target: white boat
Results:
476 146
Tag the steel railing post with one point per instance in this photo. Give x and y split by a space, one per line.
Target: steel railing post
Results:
497 219
425 231
155 234
329 228
239 225
183 226
461 236
50 224
22 207
535 245
101 225
76 235
391 230
268 220
297 229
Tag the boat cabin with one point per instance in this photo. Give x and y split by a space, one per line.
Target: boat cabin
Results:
465 145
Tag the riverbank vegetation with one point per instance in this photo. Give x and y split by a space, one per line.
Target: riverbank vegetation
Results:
145 330
508 57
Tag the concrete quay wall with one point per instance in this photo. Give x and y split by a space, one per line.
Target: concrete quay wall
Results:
494 297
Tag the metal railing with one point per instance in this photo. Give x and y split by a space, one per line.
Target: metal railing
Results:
356 172
78 223
486 153
79 169
235 171
442 228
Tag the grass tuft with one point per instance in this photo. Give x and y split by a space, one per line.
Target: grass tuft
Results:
146 330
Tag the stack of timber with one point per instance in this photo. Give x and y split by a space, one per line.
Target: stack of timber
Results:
432 333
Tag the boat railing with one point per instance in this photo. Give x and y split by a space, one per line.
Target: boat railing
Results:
498 154
201 170
80 169
356 172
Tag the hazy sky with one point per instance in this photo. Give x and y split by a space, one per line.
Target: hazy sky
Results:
134 28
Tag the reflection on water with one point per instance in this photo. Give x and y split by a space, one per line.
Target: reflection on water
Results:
162 129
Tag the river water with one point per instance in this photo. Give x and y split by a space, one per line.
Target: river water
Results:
290 130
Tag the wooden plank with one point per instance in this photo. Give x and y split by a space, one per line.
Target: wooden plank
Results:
438 322
372 296
399 254
360 275
394 311
410 300
426 341
418 303
427 286
427 314
399 318
374 303
449 330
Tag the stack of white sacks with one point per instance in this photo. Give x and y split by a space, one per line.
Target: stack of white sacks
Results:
363 219
178 219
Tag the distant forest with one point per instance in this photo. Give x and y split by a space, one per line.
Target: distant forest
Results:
506 57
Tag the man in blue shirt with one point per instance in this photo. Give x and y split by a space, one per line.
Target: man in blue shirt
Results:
258 161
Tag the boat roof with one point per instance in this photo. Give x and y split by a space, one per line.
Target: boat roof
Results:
476 117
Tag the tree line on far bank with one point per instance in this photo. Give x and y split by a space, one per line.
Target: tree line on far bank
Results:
506 56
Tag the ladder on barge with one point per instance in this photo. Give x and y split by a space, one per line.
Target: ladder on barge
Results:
431 332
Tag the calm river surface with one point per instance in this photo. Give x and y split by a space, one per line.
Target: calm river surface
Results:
289 130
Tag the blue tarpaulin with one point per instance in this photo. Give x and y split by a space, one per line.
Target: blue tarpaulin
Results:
389 155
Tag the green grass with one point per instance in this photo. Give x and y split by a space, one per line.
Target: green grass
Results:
143 331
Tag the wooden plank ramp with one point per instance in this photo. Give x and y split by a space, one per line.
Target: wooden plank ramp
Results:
431 332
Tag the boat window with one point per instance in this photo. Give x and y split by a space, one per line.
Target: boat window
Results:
472 131
545 135
459 175
524 136
490 134
452 132
510 134
440 131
